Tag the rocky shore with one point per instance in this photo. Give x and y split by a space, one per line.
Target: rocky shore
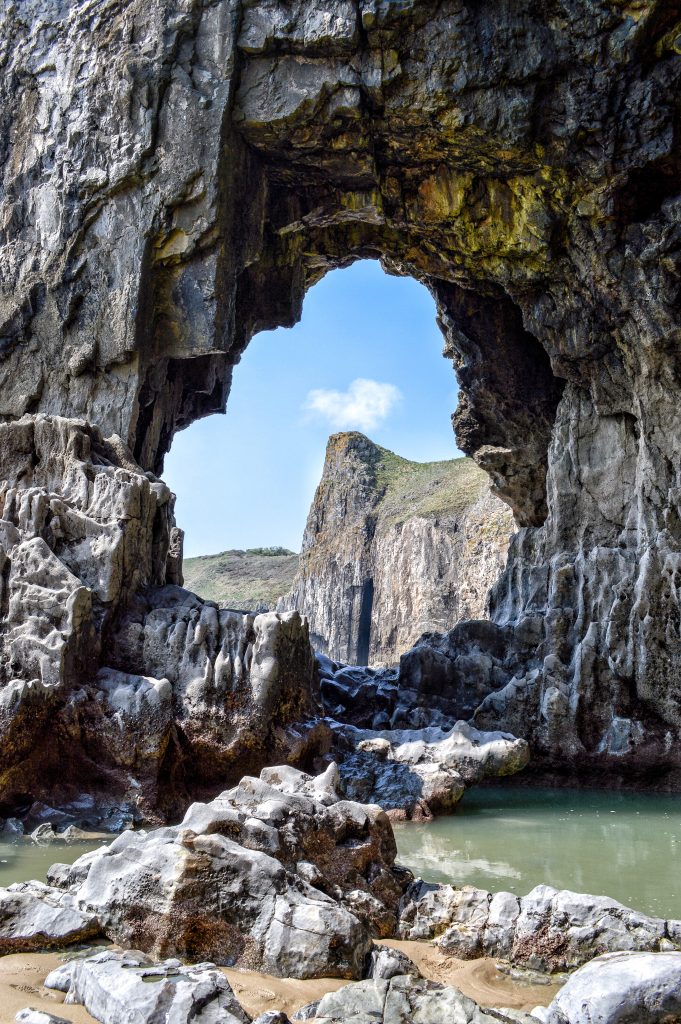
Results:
284 876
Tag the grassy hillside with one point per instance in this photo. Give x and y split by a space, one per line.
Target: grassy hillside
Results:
427 489
242 579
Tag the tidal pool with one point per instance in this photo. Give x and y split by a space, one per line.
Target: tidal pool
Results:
510 838
21 859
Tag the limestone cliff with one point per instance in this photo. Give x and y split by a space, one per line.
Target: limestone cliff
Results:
393 549
176 174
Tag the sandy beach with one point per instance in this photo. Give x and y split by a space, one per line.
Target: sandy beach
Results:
22 976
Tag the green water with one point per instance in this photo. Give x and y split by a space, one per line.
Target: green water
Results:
623 845
22 859
614 844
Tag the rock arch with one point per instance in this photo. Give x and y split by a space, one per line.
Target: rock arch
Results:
177 173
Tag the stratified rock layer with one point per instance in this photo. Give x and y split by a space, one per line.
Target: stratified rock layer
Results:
176 174
393 549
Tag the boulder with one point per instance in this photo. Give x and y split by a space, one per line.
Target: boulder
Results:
420 772
620 988
278 874
115 987
12 827
387 963
37 916
402 1000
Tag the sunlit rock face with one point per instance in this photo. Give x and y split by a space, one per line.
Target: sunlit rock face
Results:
115 680
394 549
279 874
177 173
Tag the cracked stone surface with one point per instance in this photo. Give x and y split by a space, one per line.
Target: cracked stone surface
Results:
176 174
548 930
114 681
416 773
131 987
36 916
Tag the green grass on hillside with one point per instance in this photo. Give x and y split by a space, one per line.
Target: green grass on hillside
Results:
428 489
242 579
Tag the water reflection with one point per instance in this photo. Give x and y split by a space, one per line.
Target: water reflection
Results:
621 845
22 859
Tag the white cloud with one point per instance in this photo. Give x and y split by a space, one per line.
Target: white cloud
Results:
364 405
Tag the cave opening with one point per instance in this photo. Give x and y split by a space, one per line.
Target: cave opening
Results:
366 356
364 364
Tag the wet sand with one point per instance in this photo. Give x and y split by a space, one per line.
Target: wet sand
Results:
22 976
478 979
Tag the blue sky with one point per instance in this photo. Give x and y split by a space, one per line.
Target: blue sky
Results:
367 355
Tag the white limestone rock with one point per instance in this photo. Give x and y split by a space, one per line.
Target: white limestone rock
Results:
548 929
37 916
278 874
181 691
620 988
115 987
387 963
420 772
399 1000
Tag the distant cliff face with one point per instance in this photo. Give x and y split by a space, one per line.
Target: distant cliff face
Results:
393 549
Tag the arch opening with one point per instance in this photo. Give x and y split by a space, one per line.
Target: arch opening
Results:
363 365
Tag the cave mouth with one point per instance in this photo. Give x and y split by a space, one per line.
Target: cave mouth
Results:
366 355
362 369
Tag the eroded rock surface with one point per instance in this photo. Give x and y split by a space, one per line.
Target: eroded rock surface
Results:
129 986
36 916
548 930
393 549
176 174
279 874
620 988
416 773
113 679
617 988
402 998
